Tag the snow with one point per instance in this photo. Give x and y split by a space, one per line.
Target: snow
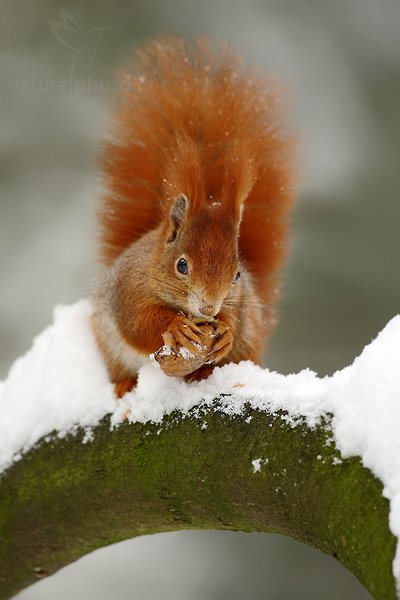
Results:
164 351
61 384
256 463
185 353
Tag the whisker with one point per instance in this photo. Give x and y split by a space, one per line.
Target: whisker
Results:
238 299
164 283
243 304
240 303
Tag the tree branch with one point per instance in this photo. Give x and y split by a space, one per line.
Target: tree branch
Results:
64 498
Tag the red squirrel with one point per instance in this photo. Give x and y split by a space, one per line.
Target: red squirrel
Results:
198 174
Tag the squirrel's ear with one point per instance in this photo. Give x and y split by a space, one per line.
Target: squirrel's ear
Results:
177 214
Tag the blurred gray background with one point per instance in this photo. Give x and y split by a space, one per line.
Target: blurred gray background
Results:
340 62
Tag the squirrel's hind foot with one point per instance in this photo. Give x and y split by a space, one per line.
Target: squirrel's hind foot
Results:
124 386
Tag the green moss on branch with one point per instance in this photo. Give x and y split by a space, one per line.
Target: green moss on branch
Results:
66 498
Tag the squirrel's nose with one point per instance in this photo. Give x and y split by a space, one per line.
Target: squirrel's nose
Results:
208 310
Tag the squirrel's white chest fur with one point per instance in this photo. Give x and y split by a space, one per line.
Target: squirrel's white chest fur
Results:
119 351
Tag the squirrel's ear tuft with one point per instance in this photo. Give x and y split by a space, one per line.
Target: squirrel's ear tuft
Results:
177 214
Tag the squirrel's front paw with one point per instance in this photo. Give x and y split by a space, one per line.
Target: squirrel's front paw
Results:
186 347
223 344
182 332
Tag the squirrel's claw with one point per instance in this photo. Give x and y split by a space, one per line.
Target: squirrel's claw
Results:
191 325
216 357
184 332
223 345
169 339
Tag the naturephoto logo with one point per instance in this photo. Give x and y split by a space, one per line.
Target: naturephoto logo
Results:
83 44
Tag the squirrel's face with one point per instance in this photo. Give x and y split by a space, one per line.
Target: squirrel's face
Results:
199 261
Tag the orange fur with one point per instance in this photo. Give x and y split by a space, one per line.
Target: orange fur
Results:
191 119
197 166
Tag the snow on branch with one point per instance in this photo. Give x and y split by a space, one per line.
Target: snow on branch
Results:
61 386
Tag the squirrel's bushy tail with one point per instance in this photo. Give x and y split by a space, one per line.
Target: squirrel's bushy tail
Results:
190 119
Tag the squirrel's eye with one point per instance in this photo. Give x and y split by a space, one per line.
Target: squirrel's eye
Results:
237 277
182 266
